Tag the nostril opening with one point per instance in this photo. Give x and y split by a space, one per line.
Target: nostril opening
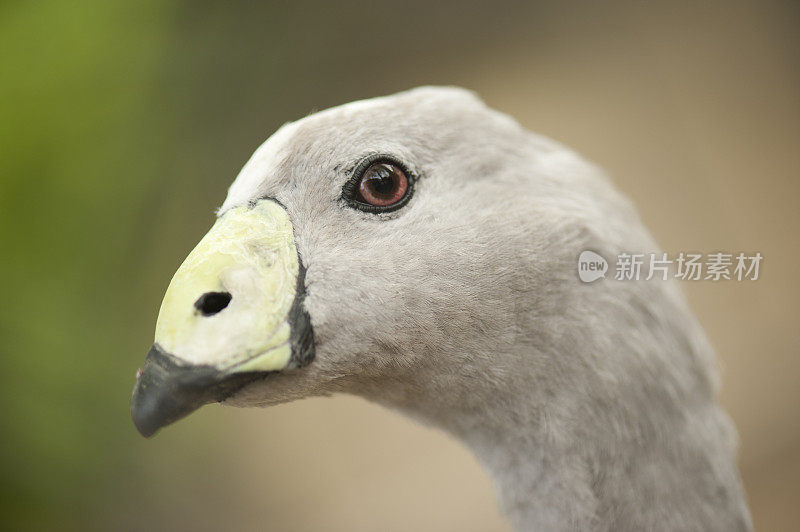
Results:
212 302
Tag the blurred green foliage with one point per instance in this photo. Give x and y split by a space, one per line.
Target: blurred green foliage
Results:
80 146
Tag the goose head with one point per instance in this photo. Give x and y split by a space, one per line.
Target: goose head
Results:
358 248
420 250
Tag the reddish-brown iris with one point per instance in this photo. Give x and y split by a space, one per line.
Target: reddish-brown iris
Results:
383 184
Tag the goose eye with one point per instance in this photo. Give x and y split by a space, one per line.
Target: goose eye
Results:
382 184
378 184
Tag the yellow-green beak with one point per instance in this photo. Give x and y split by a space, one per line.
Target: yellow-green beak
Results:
232 313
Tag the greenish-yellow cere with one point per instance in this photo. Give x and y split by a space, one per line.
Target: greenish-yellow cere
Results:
250 253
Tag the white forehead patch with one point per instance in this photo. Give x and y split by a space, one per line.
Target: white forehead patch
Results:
249 184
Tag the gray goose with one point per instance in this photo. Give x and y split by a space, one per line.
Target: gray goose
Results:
420 250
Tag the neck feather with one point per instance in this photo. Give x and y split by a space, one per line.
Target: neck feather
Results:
591 433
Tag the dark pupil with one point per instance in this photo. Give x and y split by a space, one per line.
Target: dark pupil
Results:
382 180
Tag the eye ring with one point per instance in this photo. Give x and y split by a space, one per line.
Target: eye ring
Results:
380 183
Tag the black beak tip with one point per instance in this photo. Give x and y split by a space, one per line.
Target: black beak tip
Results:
145 414
165 392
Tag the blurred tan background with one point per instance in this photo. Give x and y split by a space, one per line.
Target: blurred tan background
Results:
122 124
